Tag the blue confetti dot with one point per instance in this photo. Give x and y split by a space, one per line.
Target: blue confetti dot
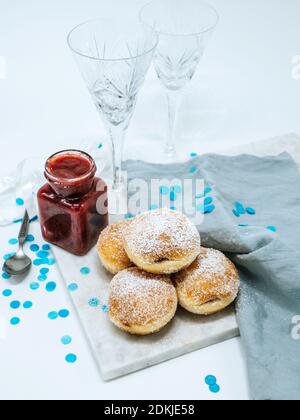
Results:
38 262
64 313
51 286
71 358
193 170
164 190
197 196
209 209
15 321
242 225
207 190
210 380
53 315
100 146
34 247
43 254
208 201
15 304
240 208
34 286
30 238
236 213
7 292
17 220
33 219
27 304
193 154
19 201
13 241
129 216
66 340
42 277
250 211
104 308
73 287
173 208
153 207
215 389
272 229
200 207
85 271
173 196
94 302
46 247
44 270
6 276
51 261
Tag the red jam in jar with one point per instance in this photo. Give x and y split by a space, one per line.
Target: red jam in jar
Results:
73 204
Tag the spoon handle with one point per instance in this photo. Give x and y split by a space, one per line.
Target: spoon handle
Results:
24 229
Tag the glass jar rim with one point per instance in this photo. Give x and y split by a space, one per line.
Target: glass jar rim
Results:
75 152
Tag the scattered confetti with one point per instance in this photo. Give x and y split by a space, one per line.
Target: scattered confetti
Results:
242 225
207 190
15 304
66 340
53 315
46 247
71 358
250 211
85 271
193 170
34 247
128 216
104 308
51 286
153 207
44 270
210 380
164 190
30 238
173 196
6 276
177 189
42 277
7 292
240 208
19 201
43 254
15 321
208 201
27 305
73 287
272 228
8 256
94 302
34 286
215 389
100 146
209 209
13 241
63 313
236 213
193 154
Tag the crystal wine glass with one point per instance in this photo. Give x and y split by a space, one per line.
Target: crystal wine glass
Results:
114 57
184 28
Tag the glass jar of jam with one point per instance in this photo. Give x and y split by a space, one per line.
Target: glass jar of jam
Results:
73 203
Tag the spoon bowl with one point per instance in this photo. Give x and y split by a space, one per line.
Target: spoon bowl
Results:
20 263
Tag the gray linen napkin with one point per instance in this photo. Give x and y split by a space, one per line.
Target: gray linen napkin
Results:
269 263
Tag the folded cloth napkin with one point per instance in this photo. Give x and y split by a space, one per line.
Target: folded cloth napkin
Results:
264 245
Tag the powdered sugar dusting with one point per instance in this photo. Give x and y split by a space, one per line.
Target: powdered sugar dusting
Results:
162 234
211 276
140 298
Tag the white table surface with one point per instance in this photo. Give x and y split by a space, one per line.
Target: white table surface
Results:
244 91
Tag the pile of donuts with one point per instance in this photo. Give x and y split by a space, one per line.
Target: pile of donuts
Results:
157 261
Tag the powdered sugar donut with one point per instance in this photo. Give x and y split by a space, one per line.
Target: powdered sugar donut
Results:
141 303
162 241
110 247
209 285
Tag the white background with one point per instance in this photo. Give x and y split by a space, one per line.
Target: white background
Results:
243 91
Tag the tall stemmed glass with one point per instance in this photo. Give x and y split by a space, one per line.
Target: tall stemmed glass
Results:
114 57
184 28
